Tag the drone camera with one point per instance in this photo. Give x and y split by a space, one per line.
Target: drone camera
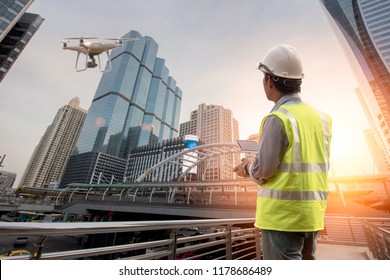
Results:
91 64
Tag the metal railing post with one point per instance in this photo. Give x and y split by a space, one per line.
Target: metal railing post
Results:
36 255
351 230
387 246
229 253
173 245
258 243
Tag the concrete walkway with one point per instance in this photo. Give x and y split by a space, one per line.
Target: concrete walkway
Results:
342 252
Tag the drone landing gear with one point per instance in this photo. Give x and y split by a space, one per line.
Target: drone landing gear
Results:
92 63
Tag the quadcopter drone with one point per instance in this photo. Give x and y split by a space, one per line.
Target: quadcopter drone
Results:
94 48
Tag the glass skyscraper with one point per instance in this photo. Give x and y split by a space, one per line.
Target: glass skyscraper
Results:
363 29
10 12
16 29
136 103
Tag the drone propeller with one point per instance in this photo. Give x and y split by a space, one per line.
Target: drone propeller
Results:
122 39
64 43
81 38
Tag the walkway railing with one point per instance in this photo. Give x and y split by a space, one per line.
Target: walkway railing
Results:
377 232
343 230
213 239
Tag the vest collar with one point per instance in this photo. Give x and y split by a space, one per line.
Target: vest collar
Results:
287 98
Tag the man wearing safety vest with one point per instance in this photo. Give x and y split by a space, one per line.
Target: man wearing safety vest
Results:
291 166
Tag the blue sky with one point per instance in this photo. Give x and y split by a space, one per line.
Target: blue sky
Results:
212 49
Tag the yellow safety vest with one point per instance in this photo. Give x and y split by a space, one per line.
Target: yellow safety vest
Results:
294 198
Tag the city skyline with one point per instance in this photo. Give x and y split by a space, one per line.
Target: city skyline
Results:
212 50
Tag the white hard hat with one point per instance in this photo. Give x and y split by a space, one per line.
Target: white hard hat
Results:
283 61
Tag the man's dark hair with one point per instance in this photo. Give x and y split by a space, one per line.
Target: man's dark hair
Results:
285 86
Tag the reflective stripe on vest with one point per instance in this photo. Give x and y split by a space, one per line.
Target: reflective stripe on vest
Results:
303 167
325 123
292 195
297 140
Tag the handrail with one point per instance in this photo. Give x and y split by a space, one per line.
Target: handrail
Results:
378 237
214 238
55 229
215 245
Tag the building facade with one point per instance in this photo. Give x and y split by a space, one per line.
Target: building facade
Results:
7 179
214 124
16 29
49 159
94 168
137 103
376 151
363 29
143 157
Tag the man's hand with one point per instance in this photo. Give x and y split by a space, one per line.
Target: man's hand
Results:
242 169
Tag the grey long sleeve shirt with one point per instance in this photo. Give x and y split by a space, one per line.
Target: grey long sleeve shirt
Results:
273 144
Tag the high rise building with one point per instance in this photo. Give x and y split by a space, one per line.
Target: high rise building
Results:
214 124
363 29
48 161
375 143
16 29
136 103
379 159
